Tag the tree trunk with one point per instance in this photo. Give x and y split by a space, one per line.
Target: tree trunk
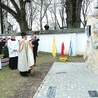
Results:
19 14
22 21
73 11
69 14
41 28
1 21
78 13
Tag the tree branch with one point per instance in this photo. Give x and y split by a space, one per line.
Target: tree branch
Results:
13 13
15 5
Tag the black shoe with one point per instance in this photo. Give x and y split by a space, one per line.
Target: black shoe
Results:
24 74
29 71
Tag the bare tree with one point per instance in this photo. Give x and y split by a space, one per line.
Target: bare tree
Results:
43 6
58 14
62 12
32 13
84 9
73 12
19 12
1 22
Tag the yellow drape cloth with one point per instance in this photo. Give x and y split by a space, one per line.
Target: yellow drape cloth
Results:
53 46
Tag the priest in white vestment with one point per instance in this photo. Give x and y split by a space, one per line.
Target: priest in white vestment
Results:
25 57
13 47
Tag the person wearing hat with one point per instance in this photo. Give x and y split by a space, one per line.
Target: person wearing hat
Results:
25 57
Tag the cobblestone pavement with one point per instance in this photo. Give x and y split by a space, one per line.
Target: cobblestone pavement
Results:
69 80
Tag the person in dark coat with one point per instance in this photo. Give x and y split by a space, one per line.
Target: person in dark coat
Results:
2 43
34 41
46 27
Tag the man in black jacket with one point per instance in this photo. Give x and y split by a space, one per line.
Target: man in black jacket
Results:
34 41
46 27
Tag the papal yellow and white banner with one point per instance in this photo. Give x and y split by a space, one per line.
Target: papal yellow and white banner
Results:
53 46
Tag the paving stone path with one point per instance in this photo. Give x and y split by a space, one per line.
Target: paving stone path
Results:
69 80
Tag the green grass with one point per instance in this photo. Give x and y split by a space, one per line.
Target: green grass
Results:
7 80
10 79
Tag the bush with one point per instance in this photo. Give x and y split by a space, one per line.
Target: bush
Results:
5 51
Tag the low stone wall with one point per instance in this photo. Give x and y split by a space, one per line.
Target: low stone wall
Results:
5 61
60 31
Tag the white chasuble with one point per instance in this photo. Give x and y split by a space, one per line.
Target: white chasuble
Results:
25 56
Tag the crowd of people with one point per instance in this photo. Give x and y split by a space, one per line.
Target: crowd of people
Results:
22 53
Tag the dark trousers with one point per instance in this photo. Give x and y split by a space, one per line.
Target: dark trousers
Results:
35 54
13 62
